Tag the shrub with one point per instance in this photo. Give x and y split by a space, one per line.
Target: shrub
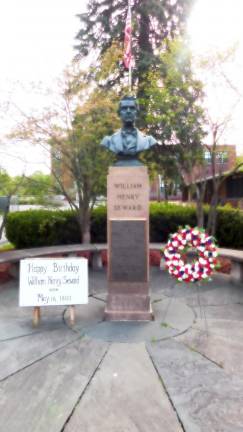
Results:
167 218
229 231
33 228
99 225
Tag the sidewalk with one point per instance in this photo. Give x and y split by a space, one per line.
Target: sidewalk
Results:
182 372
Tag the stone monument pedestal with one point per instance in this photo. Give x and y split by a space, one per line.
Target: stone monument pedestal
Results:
128 245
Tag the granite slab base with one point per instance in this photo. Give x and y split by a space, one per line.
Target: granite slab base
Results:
171 318
126 307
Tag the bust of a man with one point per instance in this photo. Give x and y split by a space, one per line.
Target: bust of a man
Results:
128 141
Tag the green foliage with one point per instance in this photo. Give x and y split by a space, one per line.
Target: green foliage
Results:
99 225
73 132
153 21
239 162
87 159
34 228
229 229
5 183
6 247
38 186
167 218
8 187
175 115
8 184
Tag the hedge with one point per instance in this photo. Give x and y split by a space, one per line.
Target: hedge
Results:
229 231
34 228
167 218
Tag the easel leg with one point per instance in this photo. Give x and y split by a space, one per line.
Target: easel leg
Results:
36 316
72 315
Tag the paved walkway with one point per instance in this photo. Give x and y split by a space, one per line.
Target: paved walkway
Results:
182 372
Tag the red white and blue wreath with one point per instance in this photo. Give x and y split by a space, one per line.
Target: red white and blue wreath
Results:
178 244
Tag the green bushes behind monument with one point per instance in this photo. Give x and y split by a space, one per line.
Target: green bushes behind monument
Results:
33 228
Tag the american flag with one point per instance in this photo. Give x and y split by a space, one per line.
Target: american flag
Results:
127 58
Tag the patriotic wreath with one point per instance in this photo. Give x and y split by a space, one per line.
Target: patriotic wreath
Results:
179 243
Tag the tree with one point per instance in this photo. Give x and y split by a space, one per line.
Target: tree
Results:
154 21
218 176
175 116
214 71
72 133
84 158
38 186
8 188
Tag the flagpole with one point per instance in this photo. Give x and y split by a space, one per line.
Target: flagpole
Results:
127 58
130 65
130 78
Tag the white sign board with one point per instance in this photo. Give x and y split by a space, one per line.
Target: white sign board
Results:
53 281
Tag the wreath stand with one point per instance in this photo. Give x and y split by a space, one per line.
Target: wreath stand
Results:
199 270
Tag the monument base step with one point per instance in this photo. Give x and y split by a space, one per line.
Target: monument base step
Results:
128 308
128 316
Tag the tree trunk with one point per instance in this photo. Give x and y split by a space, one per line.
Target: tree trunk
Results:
214 221
200 214
86 236
165 192
5 214
212 215
200 193
85 226
159 194
190 194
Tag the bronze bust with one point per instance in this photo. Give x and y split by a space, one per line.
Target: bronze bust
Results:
127 142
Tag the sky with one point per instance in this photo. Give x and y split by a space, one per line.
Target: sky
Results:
215 26
36 44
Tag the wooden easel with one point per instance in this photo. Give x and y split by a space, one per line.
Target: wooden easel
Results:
37 315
